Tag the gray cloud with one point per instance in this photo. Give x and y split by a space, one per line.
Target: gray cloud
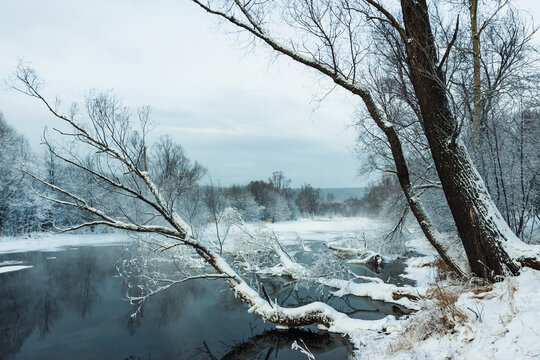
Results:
234 109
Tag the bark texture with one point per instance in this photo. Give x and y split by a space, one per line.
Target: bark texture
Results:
480 226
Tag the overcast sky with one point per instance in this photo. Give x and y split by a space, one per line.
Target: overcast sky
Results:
237 110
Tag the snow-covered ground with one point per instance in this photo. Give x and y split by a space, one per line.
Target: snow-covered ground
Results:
287 231
322 229
416 266
499 322
52 242
503 323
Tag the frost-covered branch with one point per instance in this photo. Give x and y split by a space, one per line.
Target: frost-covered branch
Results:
119 162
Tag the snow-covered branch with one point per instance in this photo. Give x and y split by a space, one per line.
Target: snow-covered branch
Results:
164 237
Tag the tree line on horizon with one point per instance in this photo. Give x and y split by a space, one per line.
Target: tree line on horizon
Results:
22 211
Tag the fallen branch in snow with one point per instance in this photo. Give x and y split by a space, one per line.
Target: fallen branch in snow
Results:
373 259
344 251
405 296
362 257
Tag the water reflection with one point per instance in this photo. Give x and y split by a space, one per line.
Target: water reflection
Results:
270 342
33 300
72 307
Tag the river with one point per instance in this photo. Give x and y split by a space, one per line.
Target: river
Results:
71 305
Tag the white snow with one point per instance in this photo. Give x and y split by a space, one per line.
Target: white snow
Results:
416 266
510 315
418 270
323 229
500 324
51 242
11 262
377 291
10 268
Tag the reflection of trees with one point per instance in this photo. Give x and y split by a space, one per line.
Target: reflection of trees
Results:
11 315
34 300
169 305
270 341
50 313
65 283
165 306
88 295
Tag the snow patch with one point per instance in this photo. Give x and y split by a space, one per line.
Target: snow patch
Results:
499 324
51 242
378 291
6 269
294 232
11 262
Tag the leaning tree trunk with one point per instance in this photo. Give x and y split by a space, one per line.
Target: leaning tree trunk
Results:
491 247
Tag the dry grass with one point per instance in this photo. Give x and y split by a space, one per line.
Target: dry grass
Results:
442 271
445 300
482 291
440 317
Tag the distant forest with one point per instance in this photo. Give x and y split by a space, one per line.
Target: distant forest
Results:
24 207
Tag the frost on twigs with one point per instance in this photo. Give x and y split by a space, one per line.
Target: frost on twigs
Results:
224 221
153 264
141 194
260 251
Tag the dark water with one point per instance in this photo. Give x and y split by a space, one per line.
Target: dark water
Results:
72 307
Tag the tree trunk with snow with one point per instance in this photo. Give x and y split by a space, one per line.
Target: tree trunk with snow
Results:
491 247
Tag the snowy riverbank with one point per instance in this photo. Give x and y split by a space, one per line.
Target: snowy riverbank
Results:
482 322
289 232
462 321
322 229
59 242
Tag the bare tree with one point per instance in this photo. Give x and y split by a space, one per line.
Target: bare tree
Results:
279 181
109 139
329 37
216 203
192 208
507 155
308 200
172 171
331 26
